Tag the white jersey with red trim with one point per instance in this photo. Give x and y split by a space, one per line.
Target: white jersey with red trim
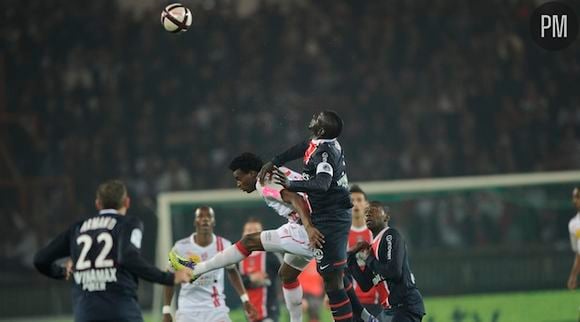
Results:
271 192
207 292
574 229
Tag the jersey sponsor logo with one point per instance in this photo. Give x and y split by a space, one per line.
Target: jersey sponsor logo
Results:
389 246
95 279
100 222
136 237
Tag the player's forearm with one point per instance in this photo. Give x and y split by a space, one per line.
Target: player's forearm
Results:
363 278
292 153
138 266
320 183
236 280
167 295
44 263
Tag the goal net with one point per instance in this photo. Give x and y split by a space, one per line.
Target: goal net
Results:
481 218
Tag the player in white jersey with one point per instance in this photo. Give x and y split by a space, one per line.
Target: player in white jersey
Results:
204 299
574 229
294 238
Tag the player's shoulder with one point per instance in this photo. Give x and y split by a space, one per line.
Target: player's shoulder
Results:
224 241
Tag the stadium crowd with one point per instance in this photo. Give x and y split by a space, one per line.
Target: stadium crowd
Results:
427 89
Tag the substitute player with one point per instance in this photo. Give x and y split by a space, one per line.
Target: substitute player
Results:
106 260
326 184
386 262
359 232
204 299
259 271
574 229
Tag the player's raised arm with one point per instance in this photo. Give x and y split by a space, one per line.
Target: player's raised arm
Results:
292 153
44 259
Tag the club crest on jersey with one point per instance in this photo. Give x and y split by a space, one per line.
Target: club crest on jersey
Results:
318 254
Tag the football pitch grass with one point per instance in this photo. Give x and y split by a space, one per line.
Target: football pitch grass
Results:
547 306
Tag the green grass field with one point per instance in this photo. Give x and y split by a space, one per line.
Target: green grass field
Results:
553 306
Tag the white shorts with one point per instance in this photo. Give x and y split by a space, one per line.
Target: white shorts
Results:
290 239
204 316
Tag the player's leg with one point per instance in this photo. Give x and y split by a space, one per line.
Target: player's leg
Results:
232 254
358 309
292 267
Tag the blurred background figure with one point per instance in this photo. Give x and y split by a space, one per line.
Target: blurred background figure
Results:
313 290
260 276
574 228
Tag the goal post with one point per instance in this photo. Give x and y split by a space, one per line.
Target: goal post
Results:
519 189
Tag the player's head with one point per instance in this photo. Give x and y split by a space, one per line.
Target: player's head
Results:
204 220
252 225
326 125
377 216
245 168
112 194
576 197
359 202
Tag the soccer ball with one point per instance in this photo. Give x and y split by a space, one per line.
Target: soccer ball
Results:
179 262
175 18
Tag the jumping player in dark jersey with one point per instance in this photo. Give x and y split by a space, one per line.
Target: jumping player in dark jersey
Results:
387 263
326 184
106 260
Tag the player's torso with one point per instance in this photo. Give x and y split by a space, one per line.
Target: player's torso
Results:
256 264
272 195
574 226
337 196
355 236
207 292
95 253
98 277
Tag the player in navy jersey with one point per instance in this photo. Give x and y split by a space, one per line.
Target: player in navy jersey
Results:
387 266
106 260
326 184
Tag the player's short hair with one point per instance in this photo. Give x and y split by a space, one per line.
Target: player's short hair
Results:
355 188
208 208
111 194
378 204
332 124
246 162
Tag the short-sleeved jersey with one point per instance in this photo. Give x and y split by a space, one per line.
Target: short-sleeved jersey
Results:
207 292
105 251
271 192
574 229
356 235
327 156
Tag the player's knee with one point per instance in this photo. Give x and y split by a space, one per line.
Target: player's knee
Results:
288 274
332 280
252 242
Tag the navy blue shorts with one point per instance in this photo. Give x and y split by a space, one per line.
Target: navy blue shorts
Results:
335 226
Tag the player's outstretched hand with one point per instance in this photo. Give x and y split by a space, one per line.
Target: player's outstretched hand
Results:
315 237
281 178
361 245
183 276
572 281
268 167
250 310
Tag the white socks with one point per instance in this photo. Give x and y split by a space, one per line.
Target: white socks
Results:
293 298
226 257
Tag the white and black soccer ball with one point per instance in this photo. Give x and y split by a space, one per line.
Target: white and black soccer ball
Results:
175 18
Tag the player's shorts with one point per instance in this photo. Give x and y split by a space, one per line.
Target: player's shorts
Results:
204 316
335 226
292 240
